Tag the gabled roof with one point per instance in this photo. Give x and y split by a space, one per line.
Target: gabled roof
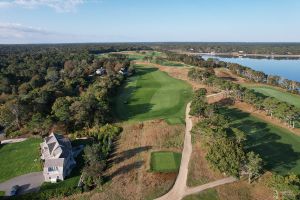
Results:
58 145
58 162
51 147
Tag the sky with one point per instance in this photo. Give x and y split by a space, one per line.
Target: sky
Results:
66 21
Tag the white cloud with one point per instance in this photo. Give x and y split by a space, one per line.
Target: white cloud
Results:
7 28
57 5
15 33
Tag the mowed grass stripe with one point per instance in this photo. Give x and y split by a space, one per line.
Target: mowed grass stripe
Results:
276 93
152 94
279 148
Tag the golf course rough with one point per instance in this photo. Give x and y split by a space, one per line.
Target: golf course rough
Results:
152 94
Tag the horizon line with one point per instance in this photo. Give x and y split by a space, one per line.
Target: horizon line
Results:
124 42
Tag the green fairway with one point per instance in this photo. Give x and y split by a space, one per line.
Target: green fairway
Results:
19 158
140 56
278 147
152 94
277 93
164 161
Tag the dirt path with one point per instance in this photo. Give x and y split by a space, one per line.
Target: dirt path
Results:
213 184
180 188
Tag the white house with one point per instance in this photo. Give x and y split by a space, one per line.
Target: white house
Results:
57 156
100 71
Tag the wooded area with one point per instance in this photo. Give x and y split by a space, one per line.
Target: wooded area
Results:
229 47
46 85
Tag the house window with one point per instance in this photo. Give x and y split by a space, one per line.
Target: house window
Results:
52 169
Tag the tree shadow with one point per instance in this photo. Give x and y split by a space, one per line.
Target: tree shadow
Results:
125 169
2 145
125 106
225 102
228 78
233 113
277 155
25 189
129 154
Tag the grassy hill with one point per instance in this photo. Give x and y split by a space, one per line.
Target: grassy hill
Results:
278 147
152 94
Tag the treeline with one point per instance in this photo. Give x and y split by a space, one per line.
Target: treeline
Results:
261 77
287 113
246 72
45 88
225 144
223 47
193 60
96 155
227 154
88 48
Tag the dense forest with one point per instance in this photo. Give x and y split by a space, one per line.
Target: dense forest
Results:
46 85
223 47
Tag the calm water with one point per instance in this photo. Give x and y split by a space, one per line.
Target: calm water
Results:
289 69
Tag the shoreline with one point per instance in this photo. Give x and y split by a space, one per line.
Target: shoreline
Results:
245 55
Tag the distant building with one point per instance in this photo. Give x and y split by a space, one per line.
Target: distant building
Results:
123 71
57 156
100 71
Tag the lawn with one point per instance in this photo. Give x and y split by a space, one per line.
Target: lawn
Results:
164 161
152 94
210 194
279 148
69 185
19 158
276 93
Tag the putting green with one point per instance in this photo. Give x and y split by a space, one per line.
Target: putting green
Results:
278 147
164 161
152 94
276 93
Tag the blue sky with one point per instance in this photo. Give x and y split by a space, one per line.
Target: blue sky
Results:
55 21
